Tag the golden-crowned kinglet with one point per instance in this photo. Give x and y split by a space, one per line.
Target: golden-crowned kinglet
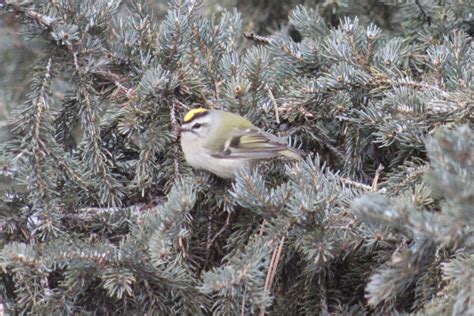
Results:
223 142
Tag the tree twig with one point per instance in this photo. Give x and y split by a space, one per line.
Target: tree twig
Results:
222 230
242 309
277 260
376 178
356 184
272 268
257 38
275 105
323 300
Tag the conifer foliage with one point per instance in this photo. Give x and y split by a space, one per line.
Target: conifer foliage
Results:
101 214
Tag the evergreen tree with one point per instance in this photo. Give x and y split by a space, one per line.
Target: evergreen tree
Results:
100 214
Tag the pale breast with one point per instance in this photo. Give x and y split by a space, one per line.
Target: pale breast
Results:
199 157
224 168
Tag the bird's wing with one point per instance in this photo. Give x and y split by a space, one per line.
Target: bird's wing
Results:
251 143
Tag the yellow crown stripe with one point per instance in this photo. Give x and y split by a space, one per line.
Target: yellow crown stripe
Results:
191 114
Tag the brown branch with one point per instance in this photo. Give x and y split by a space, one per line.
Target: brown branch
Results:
356 184
277 260
242 309
275 105
272 268
257 38
221 231
376 178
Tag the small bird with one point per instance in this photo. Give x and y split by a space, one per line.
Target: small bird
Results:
222 142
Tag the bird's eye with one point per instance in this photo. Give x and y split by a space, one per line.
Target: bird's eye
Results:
197 125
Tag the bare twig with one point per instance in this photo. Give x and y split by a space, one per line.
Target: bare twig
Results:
181 104
260 232
275 105
323 300
209 234
222 230
425 17
257 38
242 309
277 260
376 178
177 131
356 184
182 247
174 121
272 268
